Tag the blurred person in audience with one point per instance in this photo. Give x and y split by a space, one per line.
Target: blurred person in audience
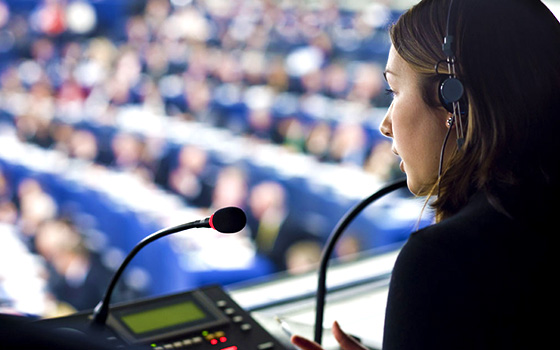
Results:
62 136
127 149
70 99
18 28
33 118
137 31
227 68
253 63
4 13
12 90
76 276
303 256
34 206
100 53
318 141
192 179
198 97
41 108
486 157
6 190
148 95
31 128
381 162
367 83
348 144
275 229
290 133
156 12
124 76
43 51
260 124
155 62
348 247
312 81
50 17
230 188
199 63
336 80
130 155
8 210
83 145
276 74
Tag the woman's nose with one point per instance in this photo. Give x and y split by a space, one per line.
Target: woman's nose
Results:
386 127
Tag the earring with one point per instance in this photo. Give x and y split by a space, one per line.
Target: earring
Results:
450 121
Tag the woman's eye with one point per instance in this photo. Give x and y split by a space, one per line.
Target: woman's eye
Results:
390 92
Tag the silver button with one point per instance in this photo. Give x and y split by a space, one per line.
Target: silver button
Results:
266 346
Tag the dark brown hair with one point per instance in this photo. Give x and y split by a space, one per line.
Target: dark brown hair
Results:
508 58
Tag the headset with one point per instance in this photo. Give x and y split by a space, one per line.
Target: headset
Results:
451 91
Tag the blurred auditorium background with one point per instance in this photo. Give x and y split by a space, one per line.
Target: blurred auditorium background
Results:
122 117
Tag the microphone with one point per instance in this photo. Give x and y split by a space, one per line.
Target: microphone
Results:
329 247
228 220
225 220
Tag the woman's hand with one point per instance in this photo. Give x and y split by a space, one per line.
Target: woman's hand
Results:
346 342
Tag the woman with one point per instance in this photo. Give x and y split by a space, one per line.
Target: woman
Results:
481 276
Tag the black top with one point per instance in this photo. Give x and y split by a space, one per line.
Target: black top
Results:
477 280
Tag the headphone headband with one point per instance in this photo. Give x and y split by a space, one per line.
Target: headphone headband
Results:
447 45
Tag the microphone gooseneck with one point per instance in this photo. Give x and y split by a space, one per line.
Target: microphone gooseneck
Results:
225 220
329 247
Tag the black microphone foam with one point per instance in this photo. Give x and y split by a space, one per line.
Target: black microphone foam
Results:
228 220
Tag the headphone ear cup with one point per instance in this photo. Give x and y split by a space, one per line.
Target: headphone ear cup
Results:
451 90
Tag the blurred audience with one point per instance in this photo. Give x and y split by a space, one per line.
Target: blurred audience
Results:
229 65
63 258
305 78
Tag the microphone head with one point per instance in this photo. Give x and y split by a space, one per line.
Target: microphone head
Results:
228 220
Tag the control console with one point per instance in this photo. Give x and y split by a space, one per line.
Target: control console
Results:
203 319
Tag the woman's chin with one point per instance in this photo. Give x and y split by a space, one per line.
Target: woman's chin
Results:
419 189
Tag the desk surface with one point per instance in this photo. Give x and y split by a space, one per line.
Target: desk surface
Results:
356 299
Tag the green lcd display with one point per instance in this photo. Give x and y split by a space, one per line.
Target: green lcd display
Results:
163 317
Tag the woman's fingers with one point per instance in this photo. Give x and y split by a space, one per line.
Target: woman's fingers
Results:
346 342
304 343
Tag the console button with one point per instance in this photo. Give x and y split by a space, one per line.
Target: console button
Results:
266 346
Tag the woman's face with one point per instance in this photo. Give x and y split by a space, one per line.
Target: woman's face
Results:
417 130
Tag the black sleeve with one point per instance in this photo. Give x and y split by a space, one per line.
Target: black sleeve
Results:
431 304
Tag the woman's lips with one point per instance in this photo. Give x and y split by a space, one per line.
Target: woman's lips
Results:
401 165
